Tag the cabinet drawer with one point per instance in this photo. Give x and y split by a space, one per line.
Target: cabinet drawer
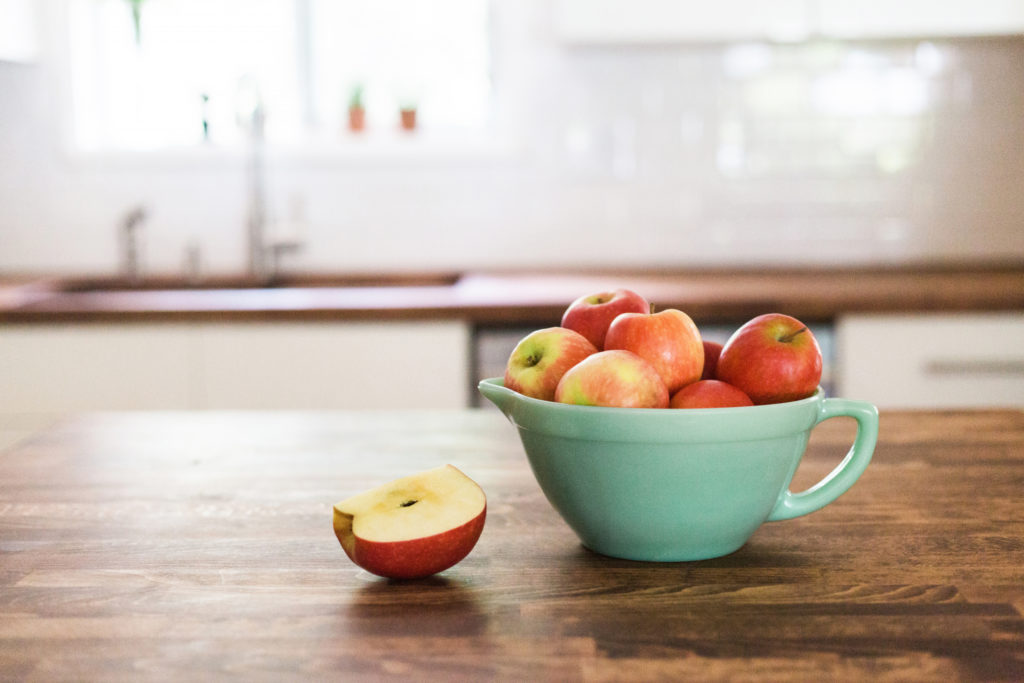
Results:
66 368
954 360
314 366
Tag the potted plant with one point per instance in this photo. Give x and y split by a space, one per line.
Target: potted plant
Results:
407 114
356 111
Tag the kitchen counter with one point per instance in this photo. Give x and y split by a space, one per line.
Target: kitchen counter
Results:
525 297
198 546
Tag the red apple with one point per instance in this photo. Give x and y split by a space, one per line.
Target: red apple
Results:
592 314
618 379
712 350
709 393
668 340
773 358
412 527
540 359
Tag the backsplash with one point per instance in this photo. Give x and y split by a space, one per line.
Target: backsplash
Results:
663 156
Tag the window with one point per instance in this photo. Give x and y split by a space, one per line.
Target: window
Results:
194 70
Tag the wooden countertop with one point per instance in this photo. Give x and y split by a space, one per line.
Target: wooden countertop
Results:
198 546
524 297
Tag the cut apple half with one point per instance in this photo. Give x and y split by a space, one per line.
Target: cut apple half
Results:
414 526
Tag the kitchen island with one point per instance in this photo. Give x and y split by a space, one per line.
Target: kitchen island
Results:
198 546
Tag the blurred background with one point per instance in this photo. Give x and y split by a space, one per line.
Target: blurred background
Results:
459 136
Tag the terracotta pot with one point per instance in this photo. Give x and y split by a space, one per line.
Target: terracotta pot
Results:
356 118
408 119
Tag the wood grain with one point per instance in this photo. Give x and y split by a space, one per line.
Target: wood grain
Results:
198 546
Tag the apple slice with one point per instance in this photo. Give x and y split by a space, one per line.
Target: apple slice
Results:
414 526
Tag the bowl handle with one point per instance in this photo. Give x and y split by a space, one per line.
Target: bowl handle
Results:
846 473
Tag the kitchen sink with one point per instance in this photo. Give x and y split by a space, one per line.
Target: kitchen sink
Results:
297 280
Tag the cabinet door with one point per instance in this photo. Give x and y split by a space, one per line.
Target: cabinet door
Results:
599 22
335 365
932 360
18 31
919 18
67 368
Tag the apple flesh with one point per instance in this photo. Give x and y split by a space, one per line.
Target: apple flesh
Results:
668 340
772 358
615 378
539 360
591 315
412 527
709 393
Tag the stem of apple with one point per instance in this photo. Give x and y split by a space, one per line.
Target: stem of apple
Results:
790 337
408 503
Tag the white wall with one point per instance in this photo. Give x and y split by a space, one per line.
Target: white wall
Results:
643 156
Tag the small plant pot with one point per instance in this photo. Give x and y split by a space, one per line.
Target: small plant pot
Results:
408 119
356 119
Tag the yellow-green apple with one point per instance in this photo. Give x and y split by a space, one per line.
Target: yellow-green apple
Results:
616 378
591 315
712 350
540 359
709 393
772 358
414 526
668 340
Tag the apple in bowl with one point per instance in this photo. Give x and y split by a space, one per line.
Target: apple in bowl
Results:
709 393
613 379
669 340
592 314
773 358
539 360
412 527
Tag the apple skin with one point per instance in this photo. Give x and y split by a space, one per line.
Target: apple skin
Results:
712 350
668 340
709 393
773 358
413 559
400 555
614 378
590 315
540 359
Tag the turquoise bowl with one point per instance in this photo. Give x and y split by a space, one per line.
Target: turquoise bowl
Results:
668 485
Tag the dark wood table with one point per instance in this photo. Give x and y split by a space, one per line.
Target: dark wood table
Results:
198 546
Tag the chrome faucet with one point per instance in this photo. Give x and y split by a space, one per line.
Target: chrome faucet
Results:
256 221
264 253
131 252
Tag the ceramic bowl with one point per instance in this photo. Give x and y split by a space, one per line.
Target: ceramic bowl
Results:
673 484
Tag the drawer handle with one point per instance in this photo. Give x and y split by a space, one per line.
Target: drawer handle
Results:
975 366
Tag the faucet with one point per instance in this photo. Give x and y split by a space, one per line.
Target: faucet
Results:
256 221
131 223
264 254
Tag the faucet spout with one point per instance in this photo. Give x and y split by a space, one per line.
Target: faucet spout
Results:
257 211
265 251
131 252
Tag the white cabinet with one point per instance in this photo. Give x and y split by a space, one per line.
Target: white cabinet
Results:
65 368
919 18
56 369
668 21
931 360
335 365
611 22
18 31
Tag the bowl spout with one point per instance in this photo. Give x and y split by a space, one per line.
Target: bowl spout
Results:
494 390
